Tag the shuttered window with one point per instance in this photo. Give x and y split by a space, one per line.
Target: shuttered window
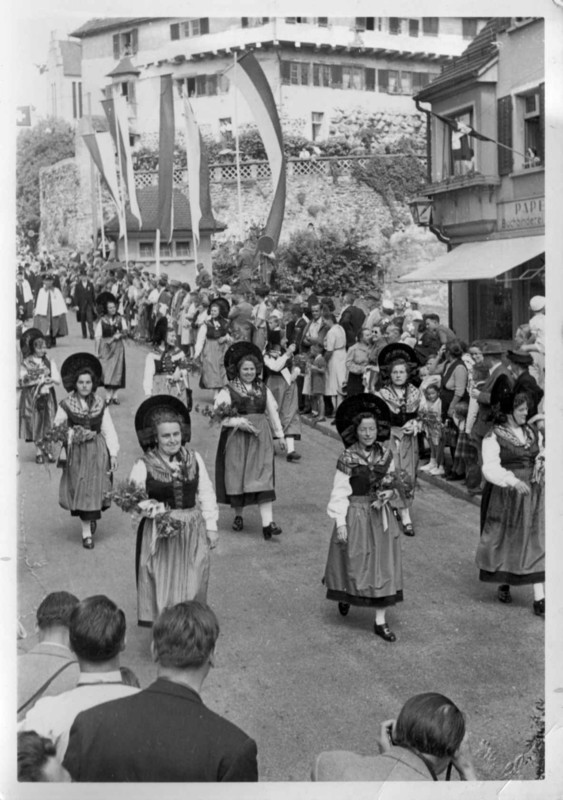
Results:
285 72
541 139
336 76
116 46
175 31
370 79
383 79
504 134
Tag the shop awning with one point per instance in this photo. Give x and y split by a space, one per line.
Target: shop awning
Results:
479 260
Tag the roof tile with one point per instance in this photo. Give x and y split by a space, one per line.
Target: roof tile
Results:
148 205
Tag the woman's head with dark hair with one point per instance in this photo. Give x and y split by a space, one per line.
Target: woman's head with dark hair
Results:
249 358
97 629
55 610
86 371
38 761
164 416
431 724
350 435
184 635
454 349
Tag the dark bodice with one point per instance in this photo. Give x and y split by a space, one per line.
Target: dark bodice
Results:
399 418
248 403
217 328
177 493
360 480
109 328
165 365
91 419
515 456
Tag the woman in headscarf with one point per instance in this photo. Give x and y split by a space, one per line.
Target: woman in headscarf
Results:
171 565
91 447
38 402
397 364
244 466
108 334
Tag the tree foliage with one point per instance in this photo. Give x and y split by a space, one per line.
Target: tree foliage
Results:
49 141
333 259
393 178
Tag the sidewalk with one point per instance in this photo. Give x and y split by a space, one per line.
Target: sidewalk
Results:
453 489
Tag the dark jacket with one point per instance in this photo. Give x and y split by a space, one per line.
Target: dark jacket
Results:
162 734
84 297
352 319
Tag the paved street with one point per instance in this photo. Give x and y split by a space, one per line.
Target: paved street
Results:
291 671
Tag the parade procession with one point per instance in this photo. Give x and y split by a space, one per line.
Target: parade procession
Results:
281 376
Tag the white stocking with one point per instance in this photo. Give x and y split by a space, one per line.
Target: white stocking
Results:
290 444
266 513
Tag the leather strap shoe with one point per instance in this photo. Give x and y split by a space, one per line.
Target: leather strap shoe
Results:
88 543
271 530
385 632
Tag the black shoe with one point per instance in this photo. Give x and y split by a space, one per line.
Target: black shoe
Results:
88 543
115 401
271 530
454 477
293 456
503 593
539 607
51 458
238 524
344 608
93 526
408 530
384 632
39 459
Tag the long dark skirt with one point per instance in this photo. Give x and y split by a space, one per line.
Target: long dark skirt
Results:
86 479
244 465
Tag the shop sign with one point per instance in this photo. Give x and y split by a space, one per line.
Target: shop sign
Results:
521 214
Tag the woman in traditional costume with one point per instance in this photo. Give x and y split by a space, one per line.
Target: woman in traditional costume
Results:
92 445
171 567
397 363
280 375
364 566
244 466
109 333
212 341
166 369
511 550
38 402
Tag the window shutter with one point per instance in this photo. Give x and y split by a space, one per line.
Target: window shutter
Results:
370 79
336 76
212 84
175 31
131 92
541 136
80 99
244 22
504 134
428 148
383 79
204 25
360 23
322 22
286 72
134 41
116 47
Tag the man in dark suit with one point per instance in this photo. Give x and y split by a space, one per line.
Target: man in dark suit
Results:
492 359
518 363
165 733
84 298
351 319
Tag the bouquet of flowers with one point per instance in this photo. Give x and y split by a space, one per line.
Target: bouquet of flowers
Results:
131 498
538 475
382 481
58 434
218 414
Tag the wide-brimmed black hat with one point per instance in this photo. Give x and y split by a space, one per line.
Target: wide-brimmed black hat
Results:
356 404
238 351
222 304
145 413
160 331
502 395
520 357
395 351
28 337
74 364
104 298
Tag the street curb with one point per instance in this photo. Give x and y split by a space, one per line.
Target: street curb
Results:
449 488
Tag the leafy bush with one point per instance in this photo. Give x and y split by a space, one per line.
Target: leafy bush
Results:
532 757
396 179
47 142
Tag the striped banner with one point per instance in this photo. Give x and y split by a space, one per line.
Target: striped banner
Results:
248 76
101 149
116 113
165 218
198 171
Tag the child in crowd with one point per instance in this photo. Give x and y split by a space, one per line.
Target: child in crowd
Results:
430 417
318 372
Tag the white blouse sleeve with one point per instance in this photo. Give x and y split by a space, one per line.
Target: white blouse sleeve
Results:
55 374
492 469
273 416
60 417
149 374
200 341
338 504
206 497
109 434
276 364
98 330
138 474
